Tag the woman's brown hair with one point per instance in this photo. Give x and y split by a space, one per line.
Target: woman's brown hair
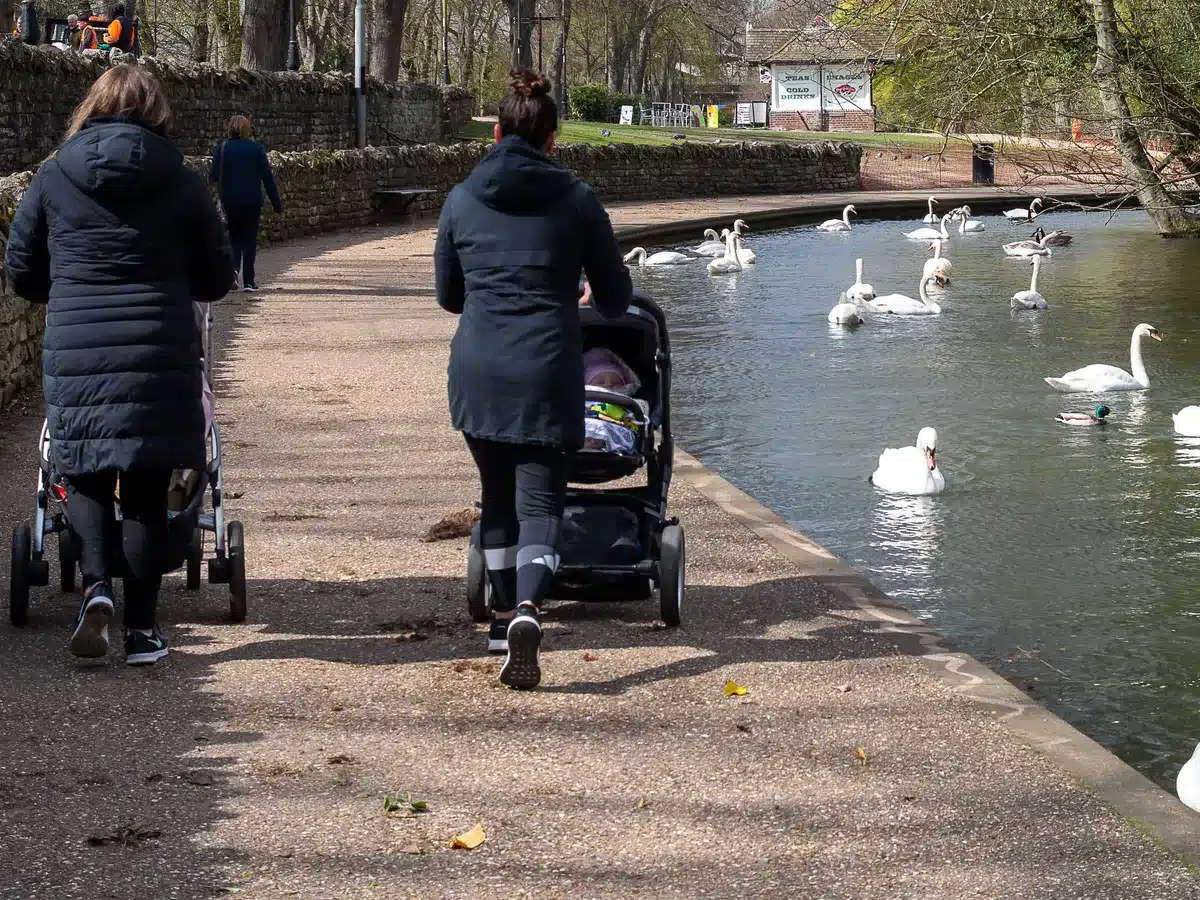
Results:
240 128
528 110
127 92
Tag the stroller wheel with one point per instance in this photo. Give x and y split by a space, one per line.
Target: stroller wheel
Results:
479 594
195 560
237 572
18 581
68 562
672 568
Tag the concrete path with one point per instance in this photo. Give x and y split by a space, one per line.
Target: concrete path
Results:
256 762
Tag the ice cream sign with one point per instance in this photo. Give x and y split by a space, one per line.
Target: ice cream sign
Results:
846 88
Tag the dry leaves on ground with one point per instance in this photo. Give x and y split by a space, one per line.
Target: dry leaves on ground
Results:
397 807
733 689
469 840
861 753
455 525
125 835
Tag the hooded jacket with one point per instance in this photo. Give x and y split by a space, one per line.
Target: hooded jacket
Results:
119 238
512 240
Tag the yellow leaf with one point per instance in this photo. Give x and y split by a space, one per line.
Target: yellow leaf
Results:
469 840
862 755
733 689
642 804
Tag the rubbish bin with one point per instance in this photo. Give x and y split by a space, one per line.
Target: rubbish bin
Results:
983 163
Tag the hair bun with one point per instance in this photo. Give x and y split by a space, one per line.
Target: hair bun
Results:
528 83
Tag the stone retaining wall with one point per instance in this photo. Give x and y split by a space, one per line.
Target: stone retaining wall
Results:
39 88
332 190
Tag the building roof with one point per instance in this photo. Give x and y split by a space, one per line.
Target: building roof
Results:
817 44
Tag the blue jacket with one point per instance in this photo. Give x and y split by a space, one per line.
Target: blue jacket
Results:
240 170
118 236
511 242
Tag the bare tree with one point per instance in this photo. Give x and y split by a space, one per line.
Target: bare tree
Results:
264 41
386 32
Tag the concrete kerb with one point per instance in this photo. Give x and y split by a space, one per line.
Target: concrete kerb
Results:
1155 812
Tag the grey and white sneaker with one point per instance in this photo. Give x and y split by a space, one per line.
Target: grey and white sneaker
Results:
498 635
521 669
143 648
89 640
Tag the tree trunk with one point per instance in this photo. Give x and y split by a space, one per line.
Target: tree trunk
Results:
560 60
386 30
1168 215
264 40
522 12
200 40
639 78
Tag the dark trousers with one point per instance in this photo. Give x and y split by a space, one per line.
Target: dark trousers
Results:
243 239
524 491
142 534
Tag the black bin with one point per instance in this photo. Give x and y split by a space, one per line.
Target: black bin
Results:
983 163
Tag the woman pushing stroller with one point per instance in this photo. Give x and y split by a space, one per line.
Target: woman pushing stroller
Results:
512 240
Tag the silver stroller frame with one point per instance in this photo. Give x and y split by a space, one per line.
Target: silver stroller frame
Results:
31 569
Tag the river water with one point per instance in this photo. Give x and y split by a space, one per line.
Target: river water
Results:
1066 558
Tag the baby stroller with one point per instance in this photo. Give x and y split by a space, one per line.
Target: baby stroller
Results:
186 526
617 542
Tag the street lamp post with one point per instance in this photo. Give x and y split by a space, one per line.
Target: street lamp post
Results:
293 54
360 72
445 43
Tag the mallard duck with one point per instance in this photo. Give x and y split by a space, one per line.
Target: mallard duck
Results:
1084 418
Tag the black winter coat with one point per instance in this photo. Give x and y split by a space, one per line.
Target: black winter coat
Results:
119 237
510 246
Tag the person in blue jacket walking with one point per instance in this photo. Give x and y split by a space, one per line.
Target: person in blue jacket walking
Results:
241 171
511 243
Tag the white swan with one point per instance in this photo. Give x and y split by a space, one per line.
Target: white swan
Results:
842 224
903 305
663 258
931 217
1187 423
1024 214
1097 379
727 264
740 227
1187 782
1030 299
860 291
967 225
930 234
911 470
714 246
845 313
937 267
746 256
1031 247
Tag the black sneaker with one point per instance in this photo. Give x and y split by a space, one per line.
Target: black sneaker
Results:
521 669
498 636
89 640
251 288
144 649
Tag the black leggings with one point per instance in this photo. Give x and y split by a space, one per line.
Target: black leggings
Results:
243 239
142 534
524 491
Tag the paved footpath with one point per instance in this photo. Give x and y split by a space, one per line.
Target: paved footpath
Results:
261 753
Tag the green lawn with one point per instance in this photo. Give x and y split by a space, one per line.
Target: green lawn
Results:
573 132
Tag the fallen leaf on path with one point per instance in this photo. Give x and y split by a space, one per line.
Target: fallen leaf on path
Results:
126 835
410 637
403 808
339 759
862 755
744 727
846 688
590 657
198 777
455 525
413 849
155 778
337 707
642 804
733 689
469 840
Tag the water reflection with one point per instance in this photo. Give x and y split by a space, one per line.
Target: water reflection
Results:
906 535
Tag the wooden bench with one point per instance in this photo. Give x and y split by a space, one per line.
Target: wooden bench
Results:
396 201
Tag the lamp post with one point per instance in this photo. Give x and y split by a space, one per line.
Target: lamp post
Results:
445 42
360 72
293 54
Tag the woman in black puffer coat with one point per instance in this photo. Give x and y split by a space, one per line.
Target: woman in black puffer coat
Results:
511 243
119 237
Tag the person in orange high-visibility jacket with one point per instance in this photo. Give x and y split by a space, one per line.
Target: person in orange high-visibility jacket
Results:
120 30
89 34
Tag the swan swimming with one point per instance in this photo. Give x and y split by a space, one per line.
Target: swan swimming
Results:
903 305
727 264
1031 247
860 291
845 313
713 246
930 234
1187 421
1187 782
931 217
1030 299
967 225
663 258
911 470
1099 378
842 224
1024 214
937 267
1053 239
